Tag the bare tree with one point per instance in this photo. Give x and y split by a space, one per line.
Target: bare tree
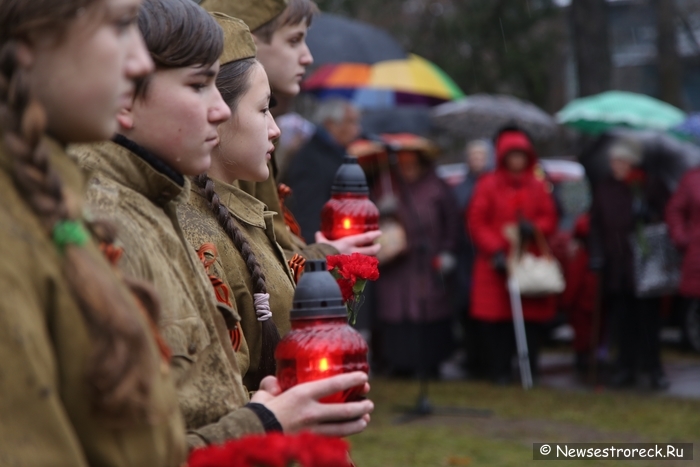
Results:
589 19
493 46
668 60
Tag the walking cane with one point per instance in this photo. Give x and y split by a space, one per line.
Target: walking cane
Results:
516 305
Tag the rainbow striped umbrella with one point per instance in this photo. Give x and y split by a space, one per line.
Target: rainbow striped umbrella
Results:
390 83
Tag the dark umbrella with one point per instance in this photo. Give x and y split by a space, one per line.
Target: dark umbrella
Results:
336 39
481 115
663 155
408 119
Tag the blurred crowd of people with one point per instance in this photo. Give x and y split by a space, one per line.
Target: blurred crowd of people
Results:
443 286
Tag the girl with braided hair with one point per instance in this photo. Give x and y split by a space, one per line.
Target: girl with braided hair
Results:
237 224
166 134
82 380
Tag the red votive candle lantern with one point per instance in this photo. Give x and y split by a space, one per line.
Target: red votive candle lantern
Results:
349 211
321 343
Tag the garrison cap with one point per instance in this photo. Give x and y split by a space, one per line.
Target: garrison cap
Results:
238 42
254 13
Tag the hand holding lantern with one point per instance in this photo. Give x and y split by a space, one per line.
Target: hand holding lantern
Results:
363 243
300 408
349 211
321 343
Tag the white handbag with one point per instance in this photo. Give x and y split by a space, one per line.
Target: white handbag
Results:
657 263
537 276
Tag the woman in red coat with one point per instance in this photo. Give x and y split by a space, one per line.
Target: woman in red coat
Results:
683 218
511 196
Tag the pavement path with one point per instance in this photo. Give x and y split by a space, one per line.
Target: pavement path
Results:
557 371
683 372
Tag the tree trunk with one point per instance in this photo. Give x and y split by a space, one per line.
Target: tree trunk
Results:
589 19
668 60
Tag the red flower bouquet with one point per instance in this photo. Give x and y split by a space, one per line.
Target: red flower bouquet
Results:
352 273
275 450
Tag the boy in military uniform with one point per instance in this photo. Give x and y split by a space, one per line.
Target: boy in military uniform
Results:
279 29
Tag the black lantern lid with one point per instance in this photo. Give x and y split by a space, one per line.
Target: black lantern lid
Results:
317 294
350 178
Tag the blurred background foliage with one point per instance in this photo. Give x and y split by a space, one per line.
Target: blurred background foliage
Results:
493 46
549 51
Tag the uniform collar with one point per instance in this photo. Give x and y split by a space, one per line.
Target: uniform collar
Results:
241 205
131 165
151 158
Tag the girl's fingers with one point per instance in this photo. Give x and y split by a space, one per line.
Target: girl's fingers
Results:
363 239
368 250
320 238
341 429
326 387
271 385
343 412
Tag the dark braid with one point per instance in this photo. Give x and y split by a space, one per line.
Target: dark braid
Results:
120 365
223 216
23 122
270 334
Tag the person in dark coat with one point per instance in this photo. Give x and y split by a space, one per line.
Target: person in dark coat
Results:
683 219
412 300
311 171
514 196
479 162
622 203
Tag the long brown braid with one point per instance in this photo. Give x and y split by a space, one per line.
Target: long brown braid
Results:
119 371
270 334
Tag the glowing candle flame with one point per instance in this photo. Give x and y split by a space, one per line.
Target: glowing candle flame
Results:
323 364
346 223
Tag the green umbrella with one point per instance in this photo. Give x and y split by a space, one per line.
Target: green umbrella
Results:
596 114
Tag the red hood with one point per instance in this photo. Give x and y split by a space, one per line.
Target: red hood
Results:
513 140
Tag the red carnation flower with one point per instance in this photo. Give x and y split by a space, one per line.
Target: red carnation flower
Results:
274 450
352 273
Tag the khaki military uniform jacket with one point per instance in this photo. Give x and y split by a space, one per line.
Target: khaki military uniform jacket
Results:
291 244
142 201
201 226
45 404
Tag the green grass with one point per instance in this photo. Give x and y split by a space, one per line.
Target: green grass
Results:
519 419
